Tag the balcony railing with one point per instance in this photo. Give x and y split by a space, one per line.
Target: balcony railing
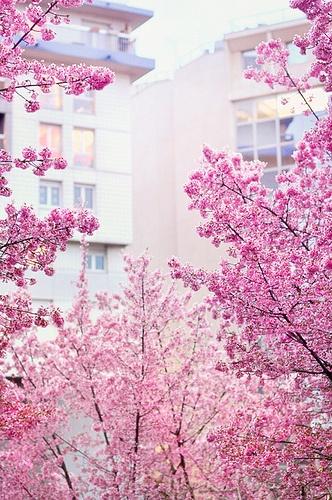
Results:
96 38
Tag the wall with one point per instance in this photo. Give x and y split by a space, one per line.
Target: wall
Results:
172 120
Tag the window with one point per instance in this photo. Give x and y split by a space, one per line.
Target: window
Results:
51 99
249 58
2 130
49 194
84 195
83 147
268 128
50 136
96 261
295 56
84 103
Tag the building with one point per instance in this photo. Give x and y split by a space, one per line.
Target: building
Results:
209 101
93 132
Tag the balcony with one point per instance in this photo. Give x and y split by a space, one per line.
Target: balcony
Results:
78 43
95 38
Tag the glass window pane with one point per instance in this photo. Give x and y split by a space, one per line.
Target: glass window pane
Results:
268 155
50 137
266 108
287 129
249 58
269 179
77 196
247 155
43 195
2 123
286 154
318 99
52 99
290 103
244 111
266 133
293 127
55 196
84 103
100 264
89 262
88 198
245 136
83 147
295 56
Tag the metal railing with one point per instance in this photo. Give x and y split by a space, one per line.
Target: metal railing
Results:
76 34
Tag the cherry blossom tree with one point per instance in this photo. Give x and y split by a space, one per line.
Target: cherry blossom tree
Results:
132 395
272 294
29 243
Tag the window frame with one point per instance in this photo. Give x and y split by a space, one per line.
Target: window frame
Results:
75 164
55 126
93 254
43 95
49 184
83 186
243 56
88 97
250 109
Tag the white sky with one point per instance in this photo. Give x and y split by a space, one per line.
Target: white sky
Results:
181 26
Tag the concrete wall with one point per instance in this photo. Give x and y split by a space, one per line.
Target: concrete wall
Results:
172 120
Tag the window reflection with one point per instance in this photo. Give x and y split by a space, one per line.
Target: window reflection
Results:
295 56
244 111
247 155
83 147
269 156
51 99
50 137
249 59
49 194
84 103
286 133
83 195
266 108
269 179
245 136
266 133
286 154
269 128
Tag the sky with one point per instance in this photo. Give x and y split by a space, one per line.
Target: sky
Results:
179 27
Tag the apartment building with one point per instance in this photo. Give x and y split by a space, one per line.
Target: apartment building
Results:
209 101
93 132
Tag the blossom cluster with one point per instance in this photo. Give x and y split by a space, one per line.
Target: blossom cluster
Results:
39 162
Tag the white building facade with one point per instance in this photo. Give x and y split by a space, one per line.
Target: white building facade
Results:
93 133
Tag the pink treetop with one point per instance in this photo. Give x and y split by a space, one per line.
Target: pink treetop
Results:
133 394
131 397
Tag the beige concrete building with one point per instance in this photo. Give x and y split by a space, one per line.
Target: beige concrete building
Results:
208 101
